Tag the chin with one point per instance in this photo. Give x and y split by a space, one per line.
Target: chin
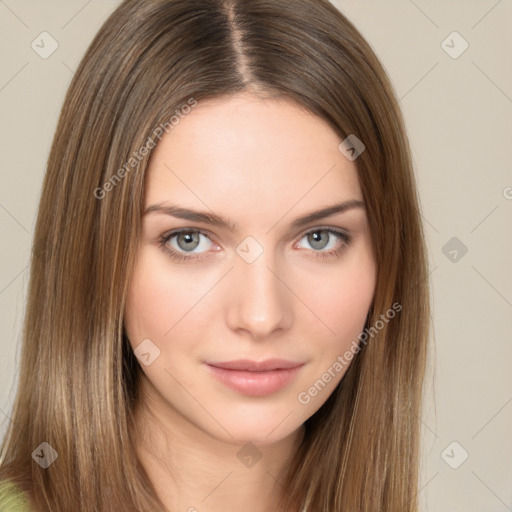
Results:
256 429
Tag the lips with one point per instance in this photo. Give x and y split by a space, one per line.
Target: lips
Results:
255 378
256 366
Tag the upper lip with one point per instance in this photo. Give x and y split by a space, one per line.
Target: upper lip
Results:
256 366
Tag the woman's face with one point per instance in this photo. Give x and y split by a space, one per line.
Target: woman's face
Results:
230 268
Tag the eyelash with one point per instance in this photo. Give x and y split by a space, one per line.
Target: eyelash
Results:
178 256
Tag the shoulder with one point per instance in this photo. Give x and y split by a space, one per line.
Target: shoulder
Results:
12 498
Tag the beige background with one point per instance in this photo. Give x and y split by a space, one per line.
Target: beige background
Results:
459 117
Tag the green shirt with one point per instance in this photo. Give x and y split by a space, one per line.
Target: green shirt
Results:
12 499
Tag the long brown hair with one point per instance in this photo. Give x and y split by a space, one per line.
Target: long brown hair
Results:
78 378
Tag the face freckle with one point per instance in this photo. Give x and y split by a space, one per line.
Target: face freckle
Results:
248 281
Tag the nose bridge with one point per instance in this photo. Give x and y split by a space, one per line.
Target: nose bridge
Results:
260 303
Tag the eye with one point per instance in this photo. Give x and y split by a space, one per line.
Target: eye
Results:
186 244
326 241
193 244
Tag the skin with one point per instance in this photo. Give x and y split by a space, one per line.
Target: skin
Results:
261 163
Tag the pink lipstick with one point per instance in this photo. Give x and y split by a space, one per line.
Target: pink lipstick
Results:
255 378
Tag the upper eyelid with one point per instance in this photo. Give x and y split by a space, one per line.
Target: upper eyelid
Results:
175 232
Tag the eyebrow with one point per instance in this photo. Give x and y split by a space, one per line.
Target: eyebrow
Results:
215 220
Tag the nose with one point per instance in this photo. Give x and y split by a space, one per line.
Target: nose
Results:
260 302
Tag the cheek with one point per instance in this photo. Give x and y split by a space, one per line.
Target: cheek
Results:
156 301
165 304
340 299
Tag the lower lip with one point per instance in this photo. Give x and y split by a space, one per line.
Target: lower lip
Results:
255 383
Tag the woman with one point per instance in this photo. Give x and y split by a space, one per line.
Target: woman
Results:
228 305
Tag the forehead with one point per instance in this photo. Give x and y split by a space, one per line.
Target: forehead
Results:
244 152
